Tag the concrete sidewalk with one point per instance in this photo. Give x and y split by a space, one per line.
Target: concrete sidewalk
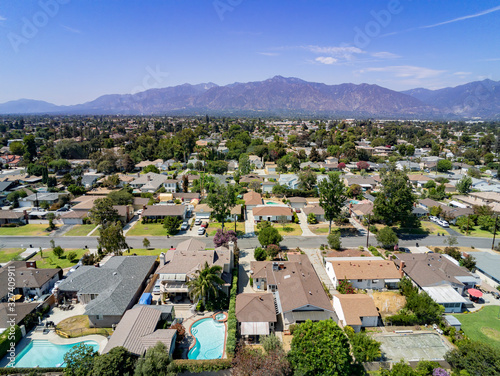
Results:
249 224
303 224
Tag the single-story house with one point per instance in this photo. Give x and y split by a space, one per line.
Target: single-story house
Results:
138 331
89 180
297 202
366 182
149 182
267 186
74 217
9 216
163 211
361 211
252 199
411 166
256 161
256 314
21 310
317 210
270 168
272 213
363 272
36 199
110 290
356 310
418 180
186 197
446 296
203 211
250 178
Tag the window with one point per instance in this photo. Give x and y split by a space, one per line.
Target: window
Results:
99 317
360 280
374 280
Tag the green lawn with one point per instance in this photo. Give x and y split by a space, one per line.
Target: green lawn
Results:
26 230
427 228
7 254
146 252
147 229
482 326
476 232
49 260
320 229
214 226
80 230
290 229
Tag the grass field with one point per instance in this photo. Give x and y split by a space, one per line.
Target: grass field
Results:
49 260
147 229
482 326
477 232
213 226
26 230
7 254
80 230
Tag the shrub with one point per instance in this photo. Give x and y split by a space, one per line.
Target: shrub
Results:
387 237
58 251
374 251
199 306
272 250
345 287
72 256
260 254
334 240
5 340
373 229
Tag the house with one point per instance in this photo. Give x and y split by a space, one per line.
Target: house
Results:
141 165
139 203
329 166
29 281
362 210
356 310
163 211
74 217
310 165
35 199
15 313
410 166
418 180
149 182
250 178
363 272
297 202
232 165
297 290
186 197
289 180
267 186
125 213
270 167
433 269
252 199
178 267
110 290
446 296
203 211
171 185
256 314
256 161
366 182
138 331
315 209
10 216
89 180
272 213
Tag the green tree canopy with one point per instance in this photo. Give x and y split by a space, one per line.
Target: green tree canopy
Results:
103 213
269 235
111 238
332 195
387 237
206 283
117 362
444 165
80 360
222 200
464 185
156 362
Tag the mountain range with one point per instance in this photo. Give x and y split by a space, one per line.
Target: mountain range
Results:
288 96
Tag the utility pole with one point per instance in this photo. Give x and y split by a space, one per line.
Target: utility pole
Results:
368 232
494 232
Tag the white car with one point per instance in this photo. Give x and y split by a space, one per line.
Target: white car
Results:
197 222
444 223
433 218
201 231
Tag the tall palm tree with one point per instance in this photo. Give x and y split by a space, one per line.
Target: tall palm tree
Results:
206 282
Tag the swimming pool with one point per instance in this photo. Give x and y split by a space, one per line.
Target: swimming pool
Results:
210 336
272 203
42 353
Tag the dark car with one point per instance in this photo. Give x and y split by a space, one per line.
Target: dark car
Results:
63 209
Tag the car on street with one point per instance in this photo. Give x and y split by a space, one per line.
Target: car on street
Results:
185 226
201 231
433 218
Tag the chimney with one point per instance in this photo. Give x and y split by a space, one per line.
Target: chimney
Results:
143 207
26 217
231 246
401 266
162 258
31 264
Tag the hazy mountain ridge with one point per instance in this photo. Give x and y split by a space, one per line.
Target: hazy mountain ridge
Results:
287 95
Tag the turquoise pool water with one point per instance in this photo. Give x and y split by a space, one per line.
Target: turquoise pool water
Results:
354 202
209 336
42 353
220 316
272 203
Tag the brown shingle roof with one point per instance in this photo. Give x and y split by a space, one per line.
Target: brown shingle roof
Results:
255 308
315 209
272 210
356 306
9 214
163 210
365 269
252 198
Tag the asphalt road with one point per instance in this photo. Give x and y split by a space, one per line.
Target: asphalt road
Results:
290 241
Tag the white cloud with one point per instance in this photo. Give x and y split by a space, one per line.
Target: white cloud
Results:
337 52
328 60
474 15
406 71
70 29
269 53
2 18
385 55
462 73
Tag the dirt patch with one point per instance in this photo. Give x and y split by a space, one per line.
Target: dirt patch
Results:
348 253
388 303
287 342
491 333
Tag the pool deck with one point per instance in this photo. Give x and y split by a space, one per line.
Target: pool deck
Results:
55 339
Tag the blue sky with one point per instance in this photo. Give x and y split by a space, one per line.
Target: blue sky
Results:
72 51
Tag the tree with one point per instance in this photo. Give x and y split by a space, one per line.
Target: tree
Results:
76 190
103 213
121 197
387 237
468 262
464 185
320 348
16 148
259 254
80 360
117 362
185 183
364 348
272 250
111 181
485 222
362 165
394 203
444 165
156 362
244 164
253 362
206 283
30 147
451 241
307 180
222 239
58 251
172 224
111 238
311 219
146 243
477 358
271 343
332 195
51 217
269 235
334 240
399 369
71 256
222 200
151 168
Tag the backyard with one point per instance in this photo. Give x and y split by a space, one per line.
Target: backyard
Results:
483 325
80 230
7 254
78 326
147 229
48 260
26 230
388 303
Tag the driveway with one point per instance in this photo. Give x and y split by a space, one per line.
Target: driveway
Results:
246 257
303 224
316 259
131 224
249 224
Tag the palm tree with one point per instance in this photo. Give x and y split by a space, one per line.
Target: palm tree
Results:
206 282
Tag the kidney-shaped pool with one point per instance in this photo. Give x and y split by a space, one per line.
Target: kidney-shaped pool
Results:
210 335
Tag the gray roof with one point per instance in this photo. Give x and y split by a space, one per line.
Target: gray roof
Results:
488 263
115 283
50 196
88 180
164 210
4 185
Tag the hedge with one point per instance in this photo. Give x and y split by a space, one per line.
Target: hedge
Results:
26 371
232 324
5 341
196 366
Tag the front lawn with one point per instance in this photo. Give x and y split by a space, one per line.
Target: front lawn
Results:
26 230
7 254
146 252
214 226
476 232
427 228
289 229
78 326
483 325
321 229
147 229
80 230
48 260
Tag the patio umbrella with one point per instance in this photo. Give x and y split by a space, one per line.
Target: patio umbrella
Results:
475 293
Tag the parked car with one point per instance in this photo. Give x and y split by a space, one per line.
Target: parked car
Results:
201 231
433 218
297 210
204 225
156 288
197 222
63 209
444 223
185 226
404 249
139 212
